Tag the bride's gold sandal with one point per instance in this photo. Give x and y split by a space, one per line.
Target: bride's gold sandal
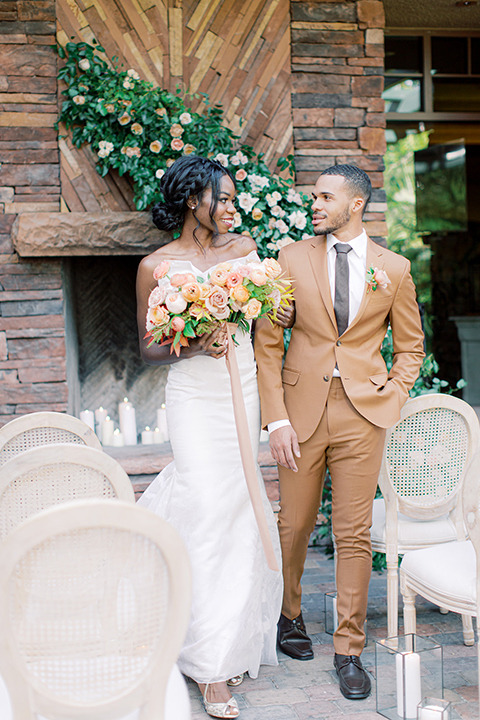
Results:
236 680
220 710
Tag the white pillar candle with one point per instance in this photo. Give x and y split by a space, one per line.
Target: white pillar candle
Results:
157 437
88 418
162 422
100 416
128 423
408 686
147 436
430 712
335 614
117 438
107 431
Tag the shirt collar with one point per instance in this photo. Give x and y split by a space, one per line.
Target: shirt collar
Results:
358 244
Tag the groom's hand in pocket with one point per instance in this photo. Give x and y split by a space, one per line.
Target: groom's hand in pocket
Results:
284 447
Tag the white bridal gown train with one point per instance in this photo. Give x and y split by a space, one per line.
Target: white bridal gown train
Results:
203 494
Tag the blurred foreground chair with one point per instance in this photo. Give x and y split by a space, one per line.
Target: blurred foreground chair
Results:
94 605
424 462
43 428
448 575
44 476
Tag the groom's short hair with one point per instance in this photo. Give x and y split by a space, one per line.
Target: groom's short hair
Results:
356 179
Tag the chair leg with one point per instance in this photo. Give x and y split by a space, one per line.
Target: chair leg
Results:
409 613
468 631
443 611
392 598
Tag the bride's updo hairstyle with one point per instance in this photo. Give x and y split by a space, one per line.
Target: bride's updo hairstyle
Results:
189 176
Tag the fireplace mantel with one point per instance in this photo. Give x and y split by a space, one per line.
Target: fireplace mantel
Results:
79 233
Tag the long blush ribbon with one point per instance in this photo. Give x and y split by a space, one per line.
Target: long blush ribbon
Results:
246 452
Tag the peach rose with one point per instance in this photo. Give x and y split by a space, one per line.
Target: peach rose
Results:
244 270
239 294
178 324
234 278
179 279
161 111
258 277
257 214
175 302
217 303
176 144
137 129
204 290
189 149
169 162
272 268
157 315
124 119
156 297
161 270
191 291
176 130
225 266
219 276
240 175
381 278
252 309
155 146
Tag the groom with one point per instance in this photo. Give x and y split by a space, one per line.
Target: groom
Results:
330 403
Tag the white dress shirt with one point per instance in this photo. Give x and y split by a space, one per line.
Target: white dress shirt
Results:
357 266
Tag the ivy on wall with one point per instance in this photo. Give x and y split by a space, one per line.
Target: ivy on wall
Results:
140 130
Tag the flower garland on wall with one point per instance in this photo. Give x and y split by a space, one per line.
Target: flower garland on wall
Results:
140 130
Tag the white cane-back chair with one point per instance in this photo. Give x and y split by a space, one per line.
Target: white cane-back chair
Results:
448 574
43 428
94 605
424 462
53 474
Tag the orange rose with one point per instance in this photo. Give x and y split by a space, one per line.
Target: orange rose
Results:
239 294
252 309
178 324
161 270
258 277
218 276
179 279
191 291
272 268
234 278
158 314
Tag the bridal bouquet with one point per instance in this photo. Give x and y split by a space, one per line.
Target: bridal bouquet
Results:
184 306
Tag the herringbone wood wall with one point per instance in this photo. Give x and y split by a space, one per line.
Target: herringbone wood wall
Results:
236 51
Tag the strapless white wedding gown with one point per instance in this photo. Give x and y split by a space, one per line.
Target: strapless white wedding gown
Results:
203 494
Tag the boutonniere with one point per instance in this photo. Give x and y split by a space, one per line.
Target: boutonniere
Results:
375 278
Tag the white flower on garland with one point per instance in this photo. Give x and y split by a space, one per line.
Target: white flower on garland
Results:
285 240
239 158
272 246
133 74
277 211
105 148
247 201
298 219
237 220
84 64
222 159
294 197
185 118
160 173
128 84
305 236
282 226
258 182
79 99
273 198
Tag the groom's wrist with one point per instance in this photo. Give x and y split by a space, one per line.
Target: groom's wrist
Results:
277 424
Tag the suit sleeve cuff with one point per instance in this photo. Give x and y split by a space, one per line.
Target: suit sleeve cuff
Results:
277 424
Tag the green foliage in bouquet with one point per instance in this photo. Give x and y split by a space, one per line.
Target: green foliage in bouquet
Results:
140 130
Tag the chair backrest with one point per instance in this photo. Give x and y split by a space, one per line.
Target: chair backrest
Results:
426 455
43 428
94 605
44 476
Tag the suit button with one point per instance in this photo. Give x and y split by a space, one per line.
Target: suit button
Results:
339 342
326 378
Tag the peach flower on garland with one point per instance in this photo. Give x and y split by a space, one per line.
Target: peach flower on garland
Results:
155 146
244 270
161 112
257 214
137 129
239 294
240 175
124 119
204 290
176 144
217 303
176 130
157 316
169 162
161 270
189 149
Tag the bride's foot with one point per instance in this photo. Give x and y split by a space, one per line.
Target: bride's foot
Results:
236 680
218 700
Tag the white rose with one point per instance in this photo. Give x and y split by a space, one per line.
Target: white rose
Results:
294 197
84 64
258 182
133 74
247 201
298 219
239 158
222 159
273 198
127 84
185 118
160 173
237 220
282 226
175 303
79 99
277 211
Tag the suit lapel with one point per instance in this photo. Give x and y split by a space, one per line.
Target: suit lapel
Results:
374 259
318 258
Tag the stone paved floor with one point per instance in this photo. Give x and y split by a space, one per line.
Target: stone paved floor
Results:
309 690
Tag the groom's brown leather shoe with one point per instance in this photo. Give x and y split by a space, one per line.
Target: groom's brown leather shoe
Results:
293 639
353 678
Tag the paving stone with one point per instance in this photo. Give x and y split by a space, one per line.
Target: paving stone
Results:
281 695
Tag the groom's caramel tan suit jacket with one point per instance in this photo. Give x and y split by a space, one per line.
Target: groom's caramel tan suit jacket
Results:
299 391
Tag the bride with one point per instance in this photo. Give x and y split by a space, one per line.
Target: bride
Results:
203 492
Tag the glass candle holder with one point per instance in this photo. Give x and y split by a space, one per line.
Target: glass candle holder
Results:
434 709
331 615
407 668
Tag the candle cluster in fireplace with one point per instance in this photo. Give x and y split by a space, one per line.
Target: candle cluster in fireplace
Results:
126 434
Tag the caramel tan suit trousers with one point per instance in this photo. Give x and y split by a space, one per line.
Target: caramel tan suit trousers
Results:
340 421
